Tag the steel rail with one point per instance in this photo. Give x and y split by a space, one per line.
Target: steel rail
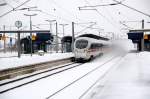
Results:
12 81
8 73
53 94
97 81
9 89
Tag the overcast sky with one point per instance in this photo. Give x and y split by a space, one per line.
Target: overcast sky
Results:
107 18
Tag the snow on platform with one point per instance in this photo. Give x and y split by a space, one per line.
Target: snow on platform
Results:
44 88
8 54
11 62
131 79
10 59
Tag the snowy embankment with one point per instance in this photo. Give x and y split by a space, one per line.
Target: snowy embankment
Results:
49 86
26 60
131 75
8 54
79 80
8 60
144 64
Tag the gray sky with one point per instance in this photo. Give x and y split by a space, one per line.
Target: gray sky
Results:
66 11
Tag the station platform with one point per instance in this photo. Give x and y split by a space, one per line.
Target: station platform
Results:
130 80
12 61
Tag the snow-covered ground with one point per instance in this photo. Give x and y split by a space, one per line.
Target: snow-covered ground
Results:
14 61
122 76
46 87
11 62
8 54
130 80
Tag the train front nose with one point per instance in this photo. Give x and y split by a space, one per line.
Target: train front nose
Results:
80 48
82 54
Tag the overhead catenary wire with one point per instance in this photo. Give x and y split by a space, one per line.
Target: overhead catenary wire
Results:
43 12
133 8
107 20
104 17
126 25
64 10
62 18
67 11
66 20
109 14
118 3
122 13
46 13
54 16
111 4
85 29
136 21
8 4
15 8
125 17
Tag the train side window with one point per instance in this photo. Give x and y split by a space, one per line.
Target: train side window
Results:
92 46
100 45
95 45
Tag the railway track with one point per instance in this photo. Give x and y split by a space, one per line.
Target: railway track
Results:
88 73
26 69
10 85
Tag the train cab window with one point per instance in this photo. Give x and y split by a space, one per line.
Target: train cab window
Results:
81 44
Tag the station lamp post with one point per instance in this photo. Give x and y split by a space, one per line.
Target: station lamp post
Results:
50 23
63 26
30 15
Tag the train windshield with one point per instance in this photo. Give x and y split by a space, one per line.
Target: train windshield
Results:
80 44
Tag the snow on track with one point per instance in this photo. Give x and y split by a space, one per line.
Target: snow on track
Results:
45 87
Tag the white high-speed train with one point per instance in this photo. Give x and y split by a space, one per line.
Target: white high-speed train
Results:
88 46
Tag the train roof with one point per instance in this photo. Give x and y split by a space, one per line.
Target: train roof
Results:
94 36
67 39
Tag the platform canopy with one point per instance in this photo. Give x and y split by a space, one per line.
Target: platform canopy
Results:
26 31
140 30
135 36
